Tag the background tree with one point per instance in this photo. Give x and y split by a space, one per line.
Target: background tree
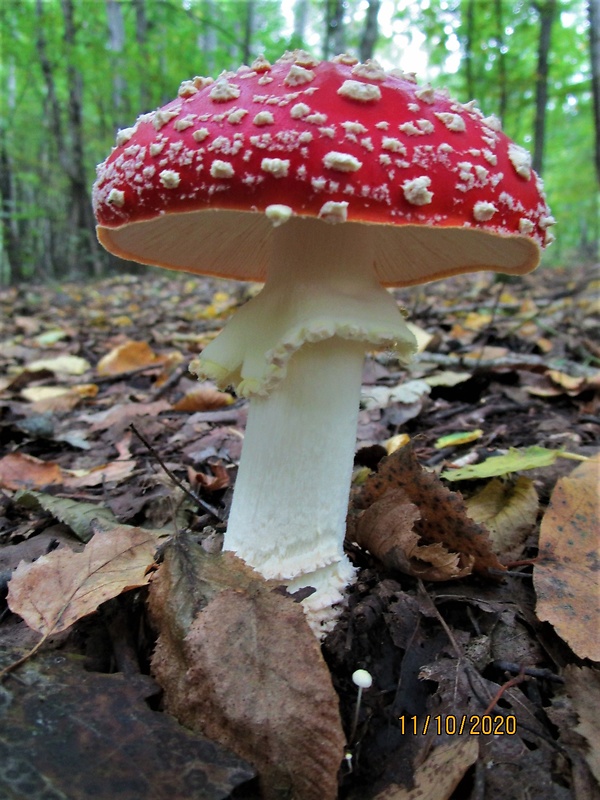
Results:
72 73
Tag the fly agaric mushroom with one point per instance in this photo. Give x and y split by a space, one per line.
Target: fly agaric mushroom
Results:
329 181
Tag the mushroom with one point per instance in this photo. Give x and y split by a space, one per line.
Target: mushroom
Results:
329 181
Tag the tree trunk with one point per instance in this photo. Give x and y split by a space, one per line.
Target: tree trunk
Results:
141 37
370 31
300 21
116 43
502 75
334 41
10 233
468 59
547 13
248 31
81 219
594 18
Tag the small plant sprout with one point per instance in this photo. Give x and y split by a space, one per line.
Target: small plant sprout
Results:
363 680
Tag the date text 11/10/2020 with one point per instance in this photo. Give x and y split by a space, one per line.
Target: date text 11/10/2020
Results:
451 725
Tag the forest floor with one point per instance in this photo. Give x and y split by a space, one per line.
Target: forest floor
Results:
484 615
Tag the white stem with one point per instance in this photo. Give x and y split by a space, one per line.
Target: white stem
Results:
288 515
297 351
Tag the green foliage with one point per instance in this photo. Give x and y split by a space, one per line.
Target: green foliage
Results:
137 63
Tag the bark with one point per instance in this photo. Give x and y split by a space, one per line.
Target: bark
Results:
547 14
207 41
141 37
334 41
594 19
249 23
468 59
370 32
10 233
300 20
502 75
116 43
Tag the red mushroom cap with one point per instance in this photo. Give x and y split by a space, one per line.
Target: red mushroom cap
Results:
336 140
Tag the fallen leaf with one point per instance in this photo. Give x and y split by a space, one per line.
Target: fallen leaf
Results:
67 365
448 378
508 511
105 473
440 774
126 357
565 575
583 686
443 518
76 735
396 442
382 396
20 471
423 337
77 515
123 414
62 587
513 461
458 438
204 398
212 483
238 662
385 529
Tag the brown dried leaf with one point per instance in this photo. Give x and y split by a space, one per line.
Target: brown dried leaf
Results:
508 511
583 686
212 483
443 518
62 587
239 663
440 774
127 356
565 575
204 398
386 530
22 471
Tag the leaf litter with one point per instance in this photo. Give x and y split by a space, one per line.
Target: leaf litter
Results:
443 613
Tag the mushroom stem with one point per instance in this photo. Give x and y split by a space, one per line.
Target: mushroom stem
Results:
297 351
291 494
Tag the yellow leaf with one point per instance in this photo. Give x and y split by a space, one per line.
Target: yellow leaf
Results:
508 511
460 437
68 365
396 442
125 357
565 575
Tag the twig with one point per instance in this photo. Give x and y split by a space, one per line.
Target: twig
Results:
508 685
534 672
206 506
11 667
